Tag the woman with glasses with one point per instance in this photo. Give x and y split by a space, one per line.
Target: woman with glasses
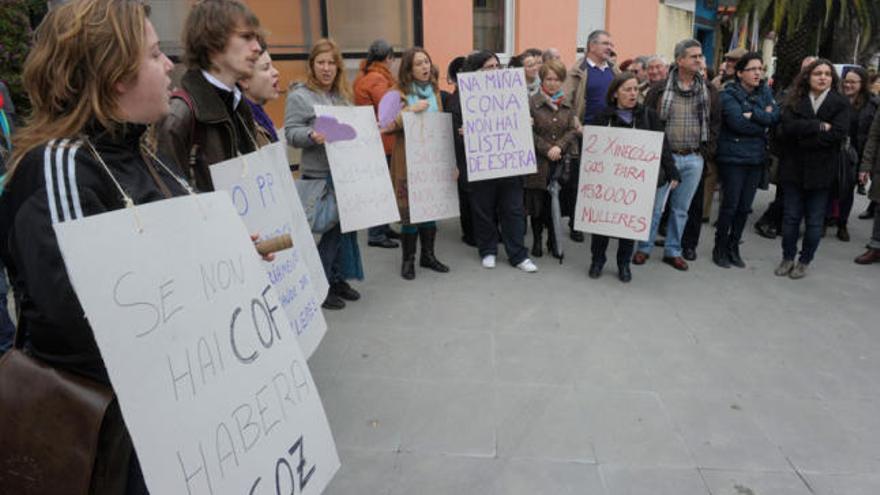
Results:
854 86
748 112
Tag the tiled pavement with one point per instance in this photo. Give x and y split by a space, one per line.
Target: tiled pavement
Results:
707 382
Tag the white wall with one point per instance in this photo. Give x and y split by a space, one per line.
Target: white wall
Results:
591 16
167 17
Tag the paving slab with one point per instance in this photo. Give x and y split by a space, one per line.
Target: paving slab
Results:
752 483
500 382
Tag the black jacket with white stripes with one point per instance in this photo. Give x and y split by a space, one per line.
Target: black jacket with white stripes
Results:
58 182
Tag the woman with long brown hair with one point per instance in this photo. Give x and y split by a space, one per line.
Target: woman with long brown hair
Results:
96 78
815 121
420 92
326 85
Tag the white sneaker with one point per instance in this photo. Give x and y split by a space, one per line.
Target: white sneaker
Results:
489 261
527 266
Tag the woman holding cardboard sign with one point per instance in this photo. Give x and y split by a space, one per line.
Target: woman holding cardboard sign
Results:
326 85
498 202
96 78
624 111
260 89
420 92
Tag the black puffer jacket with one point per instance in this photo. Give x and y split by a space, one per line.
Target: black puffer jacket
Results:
58 182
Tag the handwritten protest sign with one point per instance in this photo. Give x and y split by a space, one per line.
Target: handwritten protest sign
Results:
430 166
212 383
301 228
498 138
618 181
364 194
264 204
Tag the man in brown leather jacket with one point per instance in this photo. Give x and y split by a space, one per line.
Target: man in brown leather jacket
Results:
209 122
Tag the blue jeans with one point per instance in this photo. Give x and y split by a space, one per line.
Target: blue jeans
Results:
7 329
875 234
690 167
739 183
802 205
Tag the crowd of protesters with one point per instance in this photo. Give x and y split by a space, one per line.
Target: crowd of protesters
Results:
818 140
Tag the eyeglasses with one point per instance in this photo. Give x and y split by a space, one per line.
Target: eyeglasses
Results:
753 69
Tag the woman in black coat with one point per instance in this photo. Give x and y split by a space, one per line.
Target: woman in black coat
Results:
855 87
815 121
623 110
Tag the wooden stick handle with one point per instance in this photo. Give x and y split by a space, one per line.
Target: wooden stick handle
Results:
274 244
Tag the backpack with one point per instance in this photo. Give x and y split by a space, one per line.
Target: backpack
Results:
184 95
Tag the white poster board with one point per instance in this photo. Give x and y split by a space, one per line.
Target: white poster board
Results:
497 126
361 179
301 228
618 181
254 182
432 189
212 384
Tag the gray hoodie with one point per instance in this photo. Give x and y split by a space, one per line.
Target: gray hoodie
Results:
299 116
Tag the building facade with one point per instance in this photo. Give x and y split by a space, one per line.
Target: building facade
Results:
448 28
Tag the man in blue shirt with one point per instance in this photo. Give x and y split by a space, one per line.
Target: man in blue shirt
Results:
585 87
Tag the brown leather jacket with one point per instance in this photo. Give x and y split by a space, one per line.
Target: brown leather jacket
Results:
210 138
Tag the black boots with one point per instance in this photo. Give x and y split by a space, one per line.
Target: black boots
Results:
408 267
726 254
537 235
427 258
720 255
734 257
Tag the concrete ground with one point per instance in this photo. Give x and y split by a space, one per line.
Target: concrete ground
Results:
711 381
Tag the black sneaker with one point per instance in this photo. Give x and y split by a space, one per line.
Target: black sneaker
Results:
333 302
343 290
384 243
766 231
577 236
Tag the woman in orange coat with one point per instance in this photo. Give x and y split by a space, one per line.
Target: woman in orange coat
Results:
372 83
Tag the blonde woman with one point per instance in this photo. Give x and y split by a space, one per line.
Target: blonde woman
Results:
96 78
326 85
